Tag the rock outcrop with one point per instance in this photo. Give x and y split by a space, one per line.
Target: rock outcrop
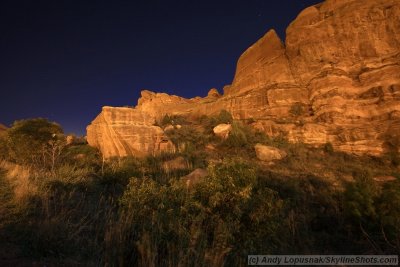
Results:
222 130
335 79
213 93
269 153
126 132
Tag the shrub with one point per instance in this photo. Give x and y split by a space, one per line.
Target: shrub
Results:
120 170
279 141
297 109
210 122
328 148
374 212
250 121
226 215
239 136
187 137
172 120
388 208
360 196
34 142
82 155
224 117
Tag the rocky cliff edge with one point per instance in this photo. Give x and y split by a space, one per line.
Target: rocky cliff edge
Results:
335 79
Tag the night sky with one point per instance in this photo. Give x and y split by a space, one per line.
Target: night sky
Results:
64 60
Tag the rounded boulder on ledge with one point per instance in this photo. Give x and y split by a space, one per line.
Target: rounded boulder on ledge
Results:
269 153
222 130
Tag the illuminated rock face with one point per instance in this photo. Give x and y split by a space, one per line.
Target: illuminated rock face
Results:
336 79
346 54
126 132
222 130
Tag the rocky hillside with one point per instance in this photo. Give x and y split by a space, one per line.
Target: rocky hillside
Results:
335 79
2 128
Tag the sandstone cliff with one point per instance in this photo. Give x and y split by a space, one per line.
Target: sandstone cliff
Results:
126 132
335 79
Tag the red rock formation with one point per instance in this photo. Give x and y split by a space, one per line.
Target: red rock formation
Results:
126 132
336 79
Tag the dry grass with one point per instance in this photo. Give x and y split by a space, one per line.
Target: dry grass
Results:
26 182
21 180
51 214
75 214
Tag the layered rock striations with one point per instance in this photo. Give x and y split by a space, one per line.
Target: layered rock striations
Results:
336 79
347 54
126 132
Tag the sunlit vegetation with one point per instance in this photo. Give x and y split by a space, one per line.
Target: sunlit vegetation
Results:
60 204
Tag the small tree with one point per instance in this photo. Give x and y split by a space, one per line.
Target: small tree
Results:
53 150
33 141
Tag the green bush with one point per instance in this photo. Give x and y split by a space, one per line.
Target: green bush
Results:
388 209
245 137
373 212
225 214
34 142
359 196
210 122
187 137
82 155
239 136
172 120
279 141
120 170
224 117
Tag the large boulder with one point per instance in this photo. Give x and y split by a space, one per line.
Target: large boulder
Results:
269 153
222 130
125 132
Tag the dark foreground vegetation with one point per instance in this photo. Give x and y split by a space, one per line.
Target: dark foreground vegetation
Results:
62 205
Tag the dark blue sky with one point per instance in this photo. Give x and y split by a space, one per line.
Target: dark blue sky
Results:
64 60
